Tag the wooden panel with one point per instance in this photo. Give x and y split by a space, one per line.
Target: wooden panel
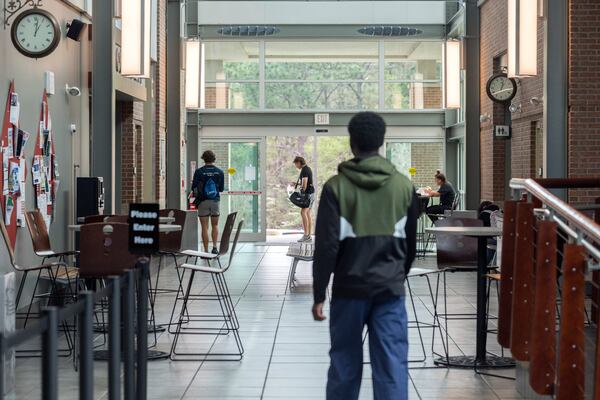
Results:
542 370
523 283
571 367
506 282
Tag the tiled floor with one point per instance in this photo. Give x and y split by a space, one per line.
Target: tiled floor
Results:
285 350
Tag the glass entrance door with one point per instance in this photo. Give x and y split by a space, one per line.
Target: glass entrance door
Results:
244 189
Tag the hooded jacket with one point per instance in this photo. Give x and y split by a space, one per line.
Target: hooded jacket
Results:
365 231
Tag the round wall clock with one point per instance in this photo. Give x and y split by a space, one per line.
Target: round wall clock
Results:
501 89
35 33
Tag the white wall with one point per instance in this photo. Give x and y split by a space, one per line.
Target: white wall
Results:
69 62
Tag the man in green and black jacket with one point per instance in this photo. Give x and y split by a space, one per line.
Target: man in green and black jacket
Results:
366 237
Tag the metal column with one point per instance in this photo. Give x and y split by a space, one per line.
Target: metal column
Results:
555 90
174 128
472 132
102 151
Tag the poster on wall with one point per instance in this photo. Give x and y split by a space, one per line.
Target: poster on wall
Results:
13 166
44 166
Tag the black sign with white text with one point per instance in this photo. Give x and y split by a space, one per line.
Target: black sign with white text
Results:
143 228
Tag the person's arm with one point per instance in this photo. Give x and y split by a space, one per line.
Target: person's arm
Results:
327 245
196 179
411 232
304 183
222 183
433 193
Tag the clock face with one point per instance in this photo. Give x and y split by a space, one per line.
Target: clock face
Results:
35 33
501 89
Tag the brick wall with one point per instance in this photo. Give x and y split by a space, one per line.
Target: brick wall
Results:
583 99
132 156
160 102
427 158
494 43
584 95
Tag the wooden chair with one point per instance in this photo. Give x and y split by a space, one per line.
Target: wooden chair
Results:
50 270
121 219
104 250
40 239
94 219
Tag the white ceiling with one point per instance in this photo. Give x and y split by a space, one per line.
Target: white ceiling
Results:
321 12
306 51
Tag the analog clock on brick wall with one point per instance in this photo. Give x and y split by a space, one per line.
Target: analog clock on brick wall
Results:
35 33
501 89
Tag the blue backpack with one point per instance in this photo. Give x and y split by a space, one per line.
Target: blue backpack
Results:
210 189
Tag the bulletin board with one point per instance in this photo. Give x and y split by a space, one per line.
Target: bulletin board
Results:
13 172
44 169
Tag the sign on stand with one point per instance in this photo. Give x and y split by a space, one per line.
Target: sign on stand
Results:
143 228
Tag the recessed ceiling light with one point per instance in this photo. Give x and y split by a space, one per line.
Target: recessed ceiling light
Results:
248 30
389 30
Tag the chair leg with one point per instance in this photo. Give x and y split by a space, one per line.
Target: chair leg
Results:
417 322
20 291
230 324
186 297
37 281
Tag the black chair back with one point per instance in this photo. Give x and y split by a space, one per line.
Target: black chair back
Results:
226 235
457 252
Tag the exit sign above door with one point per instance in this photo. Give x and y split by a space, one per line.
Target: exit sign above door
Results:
321 119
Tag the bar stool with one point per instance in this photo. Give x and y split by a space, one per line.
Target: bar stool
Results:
170 247
223 296
48 268
197 256
40 240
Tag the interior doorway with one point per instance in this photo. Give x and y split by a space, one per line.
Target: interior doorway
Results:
322 154
243 163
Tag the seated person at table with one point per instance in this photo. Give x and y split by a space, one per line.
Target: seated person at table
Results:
446 193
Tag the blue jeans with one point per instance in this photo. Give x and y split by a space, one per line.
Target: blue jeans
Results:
387 323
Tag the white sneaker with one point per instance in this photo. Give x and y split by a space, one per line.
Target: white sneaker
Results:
307 238
302 239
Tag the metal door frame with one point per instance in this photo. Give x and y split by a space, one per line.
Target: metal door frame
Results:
260 236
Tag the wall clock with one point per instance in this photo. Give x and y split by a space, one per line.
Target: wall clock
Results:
35 33
501 89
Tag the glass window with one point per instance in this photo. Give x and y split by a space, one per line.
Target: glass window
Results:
425 157
321 96
413 75
225 61
329 75
321 75
231 95
321 61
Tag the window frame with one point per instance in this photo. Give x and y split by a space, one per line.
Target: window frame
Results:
380 80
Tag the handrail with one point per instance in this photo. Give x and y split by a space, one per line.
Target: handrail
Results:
579 220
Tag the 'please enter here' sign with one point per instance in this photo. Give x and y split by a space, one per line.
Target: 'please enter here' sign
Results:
143 228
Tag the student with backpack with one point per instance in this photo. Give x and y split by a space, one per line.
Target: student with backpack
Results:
208 183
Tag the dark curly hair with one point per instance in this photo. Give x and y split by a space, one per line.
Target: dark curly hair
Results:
367 131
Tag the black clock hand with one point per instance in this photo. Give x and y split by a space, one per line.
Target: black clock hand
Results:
37 28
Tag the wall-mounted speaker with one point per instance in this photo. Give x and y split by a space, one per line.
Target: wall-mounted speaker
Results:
74 29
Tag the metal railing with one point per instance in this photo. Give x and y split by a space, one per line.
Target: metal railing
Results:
124 309
549 249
